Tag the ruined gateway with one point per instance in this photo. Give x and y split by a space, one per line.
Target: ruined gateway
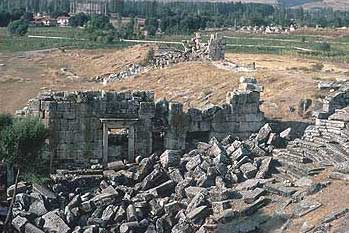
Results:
80 123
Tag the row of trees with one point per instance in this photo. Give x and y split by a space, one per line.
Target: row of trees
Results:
175 18
193 14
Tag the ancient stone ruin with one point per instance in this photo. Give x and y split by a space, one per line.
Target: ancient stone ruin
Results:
194 50
202 189
83 124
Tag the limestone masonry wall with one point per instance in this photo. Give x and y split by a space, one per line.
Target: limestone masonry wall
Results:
79 122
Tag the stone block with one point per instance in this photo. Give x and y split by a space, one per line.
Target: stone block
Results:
264 168
19 223
54 223
249 170
251 196
198 214
170 158
193 163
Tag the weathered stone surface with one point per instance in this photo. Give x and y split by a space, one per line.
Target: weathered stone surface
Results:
31 228
250 196
170 158
198 200
54 223
264 133
19 223
305 207
21 188
280 189
264 168
304 182
198 214
193 162
44 191
116 165
248 170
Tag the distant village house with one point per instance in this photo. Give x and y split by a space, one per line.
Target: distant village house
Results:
63 21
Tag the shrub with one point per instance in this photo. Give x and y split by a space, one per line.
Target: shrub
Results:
22 141
78 20
18 27
5 120
149 57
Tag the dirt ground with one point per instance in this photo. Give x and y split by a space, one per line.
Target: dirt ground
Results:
286 79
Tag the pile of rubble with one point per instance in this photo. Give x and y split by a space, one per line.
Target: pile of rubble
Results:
129 71
194 50
193 192
332 85
166 57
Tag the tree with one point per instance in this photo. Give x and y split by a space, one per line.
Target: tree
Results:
16 14
78 20
5 18
99 22
151 25
27 16
18 27
22 141
100 29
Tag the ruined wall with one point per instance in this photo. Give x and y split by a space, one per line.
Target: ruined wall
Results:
239 117
77 121
336 100
76 132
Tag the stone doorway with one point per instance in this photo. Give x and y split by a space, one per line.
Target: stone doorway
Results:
111 125
117 144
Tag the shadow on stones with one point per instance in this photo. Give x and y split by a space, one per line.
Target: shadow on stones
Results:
256 223
298 127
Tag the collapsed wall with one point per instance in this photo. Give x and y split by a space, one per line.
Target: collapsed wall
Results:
80 122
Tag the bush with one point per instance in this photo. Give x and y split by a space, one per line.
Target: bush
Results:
18 27
78 20
22 141
5 120
149 57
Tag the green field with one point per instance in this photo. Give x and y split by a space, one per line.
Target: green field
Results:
306 45
303 45
295 44
72 38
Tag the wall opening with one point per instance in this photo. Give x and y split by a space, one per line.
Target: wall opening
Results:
192 138
118 144
158 141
